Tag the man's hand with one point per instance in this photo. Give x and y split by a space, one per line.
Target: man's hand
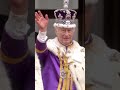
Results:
41 21
19 6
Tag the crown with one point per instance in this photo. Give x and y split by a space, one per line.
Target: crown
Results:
65 17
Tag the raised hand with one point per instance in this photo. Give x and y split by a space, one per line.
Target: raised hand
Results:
41 21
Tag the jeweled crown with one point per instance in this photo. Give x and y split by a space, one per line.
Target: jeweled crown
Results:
65 17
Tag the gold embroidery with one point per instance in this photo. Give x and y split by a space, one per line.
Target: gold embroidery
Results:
60 79
40 51
66 76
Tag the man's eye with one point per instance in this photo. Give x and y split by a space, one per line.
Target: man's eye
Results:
63 30
69 30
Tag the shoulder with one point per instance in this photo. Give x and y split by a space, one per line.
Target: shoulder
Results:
78 46
78 52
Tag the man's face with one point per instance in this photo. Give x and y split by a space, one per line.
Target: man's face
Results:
65 35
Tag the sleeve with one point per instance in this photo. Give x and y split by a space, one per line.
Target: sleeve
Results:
41 47
38 77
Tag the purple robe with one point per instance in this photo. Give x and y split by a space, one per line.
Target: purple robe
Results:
22 74
51 67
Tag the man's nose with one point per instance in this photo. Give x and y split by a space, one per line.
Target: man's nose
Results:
66 32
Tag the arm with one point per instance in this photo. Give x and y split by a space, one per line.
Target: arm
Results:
41 47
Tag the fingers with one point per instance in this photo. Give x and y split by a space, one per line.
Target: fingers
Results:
41 21
46 17
37 17
39 12
37 21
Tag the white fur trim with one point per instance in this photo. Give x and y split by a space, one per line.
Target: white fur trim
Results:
78 74
38 78
64 25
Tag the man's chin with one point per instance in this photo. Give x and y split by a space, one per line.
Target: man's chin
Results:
66 43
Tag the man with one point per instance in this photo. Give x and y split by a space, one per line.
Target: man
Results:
102 62
63 58
15 52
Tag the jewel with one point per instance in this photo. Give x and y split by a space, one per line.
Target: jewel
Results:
62 74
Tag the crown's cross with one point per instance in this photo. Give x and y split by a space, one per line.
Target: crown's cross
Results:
65 4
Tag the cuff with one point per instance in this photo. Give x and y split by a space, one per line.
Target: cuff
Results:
42 37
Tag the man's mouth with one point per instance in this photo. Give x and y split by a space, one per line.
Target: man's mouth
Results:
66 38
